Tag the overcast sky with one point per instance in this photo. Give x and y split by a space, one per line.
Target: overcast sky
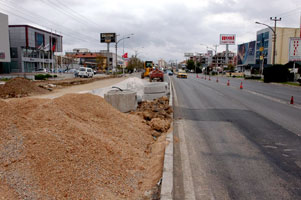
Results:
162 28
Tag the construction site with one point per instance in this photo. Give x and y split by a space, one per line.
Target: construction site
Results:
63 140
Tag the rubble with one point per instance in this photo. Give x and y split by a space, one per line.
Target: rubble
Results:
19 87
157 114
76 147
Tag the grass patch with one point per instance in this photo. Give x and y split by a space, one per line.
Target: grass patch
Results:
4 79
290 83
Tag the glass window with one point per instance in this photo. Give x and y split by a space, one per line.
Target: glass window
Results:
257 54
259 37
266 35
14 52
39 40
266 44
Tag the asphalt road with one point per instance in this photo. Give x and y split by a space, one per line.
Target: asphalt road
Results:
236 144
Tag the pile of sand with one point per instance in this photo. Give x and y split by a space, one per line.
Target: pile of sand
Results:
19 87
75 147
157 114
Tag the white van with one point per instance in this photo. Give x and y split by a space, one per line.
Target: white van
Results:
85 72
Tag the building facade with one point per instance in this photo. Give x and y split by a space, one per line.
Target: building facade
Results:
4 43
264 42
219 60
32 48
99 61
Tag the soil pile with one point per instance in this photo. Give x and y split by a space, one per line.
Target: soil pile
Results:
75 147
157 114
19 87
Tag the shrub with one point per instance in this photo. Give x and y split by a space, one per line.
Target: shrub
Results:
44 76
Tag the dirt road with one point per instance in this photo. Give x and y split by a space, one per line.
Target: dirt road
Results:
81 88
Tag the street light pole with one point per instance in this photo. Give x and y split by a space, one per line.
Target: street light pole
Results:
116 46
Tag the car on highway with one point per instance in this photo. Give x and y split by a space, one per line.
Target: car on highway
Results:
170 73
182 74
85 72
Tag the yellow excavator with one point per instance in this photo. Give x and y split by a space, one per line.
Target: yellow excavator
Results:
148 67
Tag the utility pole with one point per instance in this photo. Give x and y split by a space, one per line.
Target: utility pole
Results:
275 19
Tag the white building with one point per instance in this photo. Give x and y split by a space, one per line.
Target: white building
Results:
4 43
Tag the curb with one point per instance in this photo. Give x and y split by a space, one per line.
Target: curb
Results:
167 177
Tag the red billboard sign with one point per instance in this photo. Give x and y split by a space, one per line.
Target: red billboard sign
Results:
227 39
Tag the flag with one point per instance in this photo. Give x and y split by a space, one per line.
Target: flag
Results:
53 48
125 55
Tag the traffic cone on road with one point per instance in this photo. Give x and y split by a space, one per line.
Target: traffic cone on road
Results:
217 79
292 100
197 76
209 78
228 83
241 87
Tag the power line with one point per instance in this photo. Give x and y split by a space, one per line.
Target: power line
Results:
36 17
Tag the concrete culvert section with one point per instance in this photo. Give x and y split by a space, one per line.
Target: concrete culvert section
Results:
122 100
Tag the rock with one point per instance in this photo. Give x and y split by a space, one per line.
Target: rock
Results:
160 125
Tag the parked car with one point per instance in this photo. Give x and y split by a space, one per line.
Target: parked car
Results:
43 70
85 72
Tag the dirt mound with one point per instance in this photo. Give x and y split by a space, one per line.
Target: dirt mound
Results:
157 114
19 87
75 147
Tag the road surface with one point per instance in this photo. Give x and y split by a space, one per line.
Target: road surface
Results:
236 144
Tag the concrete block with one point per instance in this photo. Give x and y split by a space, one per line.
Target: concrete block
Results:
155 88
124 101
150 97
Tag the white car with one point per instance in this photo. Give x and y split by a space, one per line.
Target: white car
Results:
85 72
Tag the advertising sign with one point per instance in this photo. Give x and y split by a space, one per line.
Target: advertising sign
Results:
188 54
246 53
295 49
227 39
108 37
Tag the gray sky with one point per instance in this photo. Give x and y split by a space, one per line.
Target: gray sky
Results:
162 28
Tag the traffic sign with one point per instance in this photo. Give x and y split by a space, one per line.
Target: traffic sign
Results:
295 49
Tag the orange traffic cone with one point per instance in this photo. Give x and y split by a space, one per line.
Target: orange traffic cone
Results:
241 87
228 83
217 80
197 76
292 100
209 78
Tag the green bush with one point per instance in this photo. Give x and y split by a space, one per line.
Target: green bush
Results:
40 77
276 73
43 76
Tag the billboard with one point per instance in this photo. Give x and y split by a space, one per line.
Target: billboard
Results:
188 54
227 39
108 37
246 53
295 49
4 39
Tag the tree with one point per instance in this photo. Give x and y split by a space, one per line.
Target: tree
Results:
133 63
190 65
